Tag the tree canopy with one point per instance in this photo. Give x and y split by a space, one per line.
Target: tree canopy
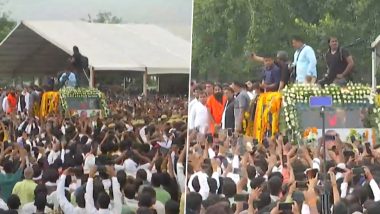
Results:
105 17
6 25
223 31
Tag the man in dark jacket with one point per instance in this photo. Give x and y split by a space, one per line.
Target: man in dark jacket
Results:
228 118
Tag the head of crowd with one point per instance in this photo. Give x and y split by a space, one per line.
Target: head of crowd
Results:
131 161
229 172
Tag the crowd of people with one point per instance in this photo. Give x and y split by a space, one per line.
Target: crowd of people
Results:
136 159
132 161
229 172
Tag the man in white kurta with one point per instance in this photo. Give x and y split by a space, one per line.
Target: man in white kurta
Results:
199 116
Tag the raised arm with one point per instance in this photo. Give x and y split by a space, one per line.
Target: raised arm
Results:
90 205
181 179
23 155
372 183
334 187
65 205
256 58
117 204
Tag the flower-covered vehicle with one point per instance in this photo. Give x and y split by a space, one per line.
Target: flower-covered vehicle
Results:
355 107
69 101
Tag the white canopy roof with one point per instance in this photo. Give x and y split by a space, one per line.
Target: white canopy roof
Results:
44 46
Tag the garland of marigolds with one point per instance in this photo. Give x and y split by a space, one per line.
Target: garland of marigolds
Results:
49 103
267 115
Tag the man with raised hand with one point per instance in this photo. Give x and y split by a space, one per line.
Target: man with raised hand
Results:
103 198
65 205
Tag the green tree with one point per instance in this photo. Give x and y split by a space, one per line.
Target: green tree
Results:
105 17
219 35
6 25
224 30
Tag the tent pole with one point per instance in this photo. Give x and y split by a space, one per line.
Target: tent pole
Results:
145 81
158 83
374 63
91 82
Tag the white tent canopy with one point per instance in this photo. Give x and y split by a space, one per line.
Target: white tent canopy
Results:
42 47
375 60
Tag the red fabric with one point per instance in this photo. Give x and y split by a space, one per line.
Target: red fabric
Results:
12 101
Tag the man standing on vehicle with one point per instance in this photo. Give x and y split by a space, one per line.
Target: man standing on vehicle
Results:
339 64
305 62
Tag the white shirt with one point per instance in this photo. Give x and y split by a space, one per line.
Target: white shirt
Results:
65 205
167 143
191 104
27 103
204 188
181 179
143 134
131 203
26 99
160 207
375 189
224 116
5 104
53 199
3 205
251 95
130 167
199 118
90 206
89 162
53 156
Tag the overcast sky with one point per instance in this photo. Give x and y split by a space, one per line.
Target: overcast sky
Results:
172 14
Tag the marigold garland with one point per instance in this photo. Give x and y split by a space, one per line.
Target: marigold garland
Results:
49 103
268 105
